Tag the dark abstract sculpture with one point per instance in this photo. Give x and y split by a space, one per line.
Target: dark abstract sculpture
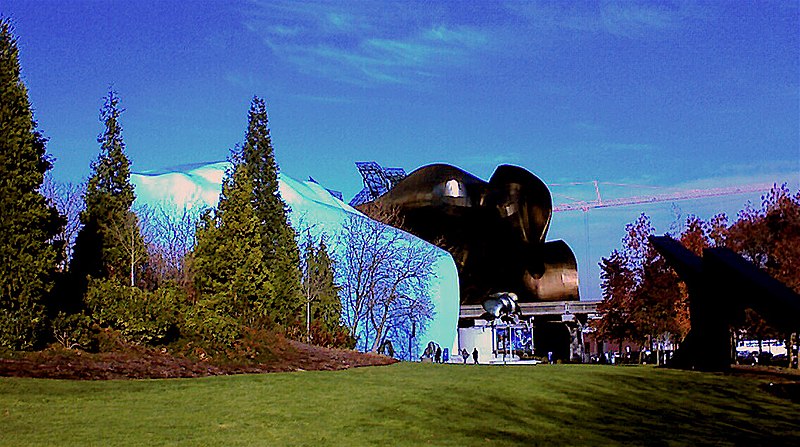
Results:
721 285
494 230
503 306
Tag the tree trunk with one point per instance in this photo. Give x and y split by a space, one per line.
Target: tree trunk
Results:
641 353
797 354
308 320
133 259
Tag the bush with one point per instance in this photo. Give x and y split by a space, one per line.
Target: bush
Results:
144 318
211 329
209 334
21 329
74 331
338 337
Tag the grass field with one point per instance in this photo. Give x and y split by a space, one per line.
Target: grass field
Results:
403 404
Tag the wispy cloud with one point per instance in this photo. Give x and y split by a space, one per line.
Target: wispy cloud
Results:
649 187
624 19
484 164
325 99
363 47
285 31
791 167
243 81
627 147
588 126
632 20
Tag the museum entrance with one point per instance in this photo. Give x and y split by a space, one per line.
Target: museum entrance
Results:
551 335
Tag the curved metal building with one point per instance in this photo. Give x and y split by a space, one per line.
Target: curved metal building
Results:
494 230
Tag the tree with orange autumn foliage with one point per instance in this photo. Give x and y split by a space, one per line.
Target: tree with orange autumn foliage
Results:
643 298
643 301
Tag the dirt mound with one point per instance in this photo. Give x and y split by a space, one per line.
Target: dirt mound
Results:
139 363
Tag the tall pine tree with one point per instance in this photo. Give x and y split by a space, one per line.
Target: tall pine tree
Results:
279 243
230 275
324 307
246 255
27 222
109 244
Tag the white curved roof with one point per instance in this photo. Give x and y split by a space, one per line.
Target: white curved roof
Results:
311 206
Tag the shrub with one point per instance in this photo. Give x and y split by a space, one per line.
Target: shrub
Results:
144 318
74 331
338 337
21 328
211 329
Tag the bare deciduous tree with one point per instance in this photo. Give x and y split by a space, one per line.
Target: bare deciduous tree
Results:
163 236
170 233
384 275
68 200
130 238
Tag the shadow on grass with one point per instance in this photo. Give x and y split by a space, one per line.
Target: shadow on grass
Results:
405 404
578 406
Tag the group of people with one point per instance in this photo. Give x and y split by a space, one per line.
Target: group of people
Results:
465 355
434 352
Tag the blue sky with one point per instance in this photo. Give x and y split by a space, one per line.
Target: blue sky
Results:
655 93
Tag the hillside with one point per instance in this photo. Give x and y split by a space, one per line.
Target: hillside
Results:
140 363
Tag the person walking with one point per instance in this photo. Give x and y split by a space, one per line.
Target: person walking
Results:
464 354
438 354
475 355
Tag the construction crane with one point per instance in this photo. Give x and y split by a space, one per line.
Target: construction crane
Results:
599 202
690 194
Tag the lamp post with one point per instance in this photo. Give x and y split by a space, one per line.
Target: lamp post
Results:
411 338
511 342
494 340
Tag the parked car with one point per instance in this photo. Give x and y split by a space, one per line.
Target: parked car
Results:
780 360
765 358
747 358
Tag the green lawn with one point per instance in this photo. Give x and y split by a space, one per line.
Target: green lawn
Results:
403 404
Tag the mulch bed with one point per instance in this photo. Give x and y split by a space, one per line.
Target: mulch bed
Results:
138 363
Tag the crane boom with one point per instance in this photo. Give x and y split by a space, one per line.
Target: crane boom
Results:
667 197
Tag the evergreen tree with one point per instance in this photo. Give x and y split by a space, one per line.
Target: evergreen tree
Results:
27 223
278 239
246 259
230 275
109 245
320 289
